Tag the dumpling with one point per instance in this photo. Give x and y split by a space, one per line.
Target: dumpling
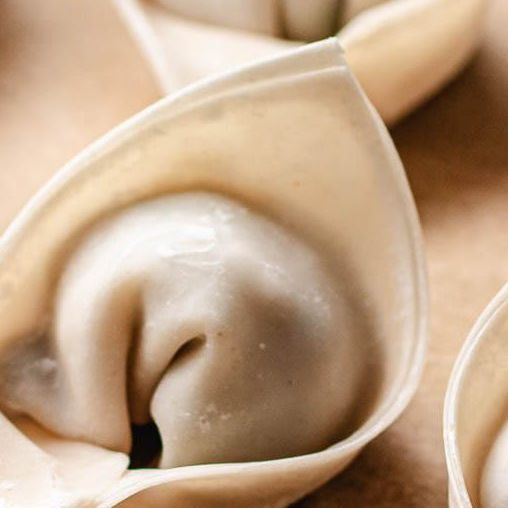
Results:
217 304
476 436
401 51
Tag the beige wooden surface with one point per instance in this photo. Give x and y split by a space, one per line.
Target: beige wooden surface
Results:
69 72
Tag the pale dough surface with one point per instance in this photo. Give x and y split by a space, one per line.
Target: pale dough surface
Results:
69 72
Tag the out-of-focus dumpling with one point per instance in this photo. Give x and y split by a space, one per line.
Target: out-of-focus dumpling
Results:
475 429
218 304
401 51
286 19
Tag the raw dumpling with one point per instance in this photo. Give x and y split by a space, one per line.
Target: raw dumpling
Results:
475 429
217 304
401 51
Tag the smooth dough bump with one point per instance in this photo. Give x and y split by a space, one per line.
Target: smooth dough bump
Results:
494 487
208 318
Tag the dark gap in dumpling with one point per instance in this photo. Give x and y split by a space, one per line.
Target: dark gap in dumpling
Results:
146 446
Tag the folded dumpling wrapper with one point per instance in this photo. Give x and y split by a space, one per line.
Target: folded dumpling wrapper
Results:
241 263
476 413
401 51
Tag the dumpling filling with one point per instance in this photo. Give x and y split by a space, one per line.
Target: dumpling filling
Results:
198 319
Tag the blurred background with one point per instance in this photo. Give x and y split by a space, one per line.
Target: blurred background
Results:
69 72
